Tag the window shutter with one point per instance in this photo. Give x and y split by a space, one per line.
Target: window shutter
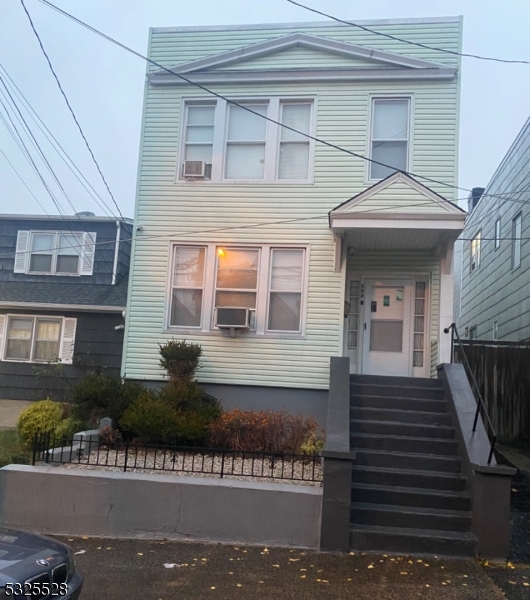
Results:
67 347
3 319
21 255
87 256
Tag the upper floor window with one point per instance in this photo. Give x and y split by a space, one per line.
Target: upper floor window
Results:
475 252
228 143
390 135
497 233
55 253
269 282
516 240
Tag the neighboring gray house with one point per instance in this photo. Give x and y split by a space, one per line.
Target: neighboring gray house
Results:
63 290
494 299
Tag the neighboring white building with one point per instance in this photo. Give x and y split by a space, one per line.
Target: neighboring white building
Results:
308 251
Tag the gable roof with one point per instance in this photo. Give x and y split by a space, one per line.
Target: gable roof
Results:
399 193
397 66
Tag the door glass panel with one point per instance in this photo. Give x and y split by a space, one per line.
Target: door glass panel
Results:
386 336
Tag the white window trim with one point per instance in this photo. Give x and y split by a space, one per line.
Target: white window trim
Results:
519 215
497 238
208 306
478 254
271 142
368 150
31 360
55 253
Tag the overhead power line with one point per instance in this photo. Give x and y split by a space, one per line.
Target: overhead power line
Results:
63 154
404 41
70 108
242 106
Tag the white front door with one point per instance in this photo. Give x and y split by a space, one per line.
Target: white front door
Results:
387 330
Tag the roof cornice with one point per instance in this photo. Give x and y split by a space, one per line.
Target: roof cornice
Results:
398 66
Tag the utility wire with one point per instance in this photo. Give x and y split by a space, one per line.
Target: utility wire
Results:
21 179
398 39
70 107
23 148
178 235
242 106
56 144
27 129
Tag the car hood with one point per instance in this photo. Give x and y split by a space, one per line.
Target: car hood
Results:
20 550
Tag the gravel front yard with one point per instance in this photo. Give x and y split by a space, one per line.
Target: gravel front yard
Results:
203 465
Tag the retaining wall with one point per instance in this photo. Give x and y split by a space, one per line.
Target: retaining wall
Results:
60 501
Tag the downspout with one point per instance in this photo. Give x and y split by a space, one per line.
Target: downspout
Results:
116 251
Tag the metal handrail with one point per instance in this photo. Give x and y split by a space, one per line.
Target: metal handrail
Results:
478 395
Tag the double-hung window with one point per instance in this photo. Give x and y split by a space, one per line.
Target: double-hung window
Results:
263 140
475 252
268 281
390 134
497 234
33 339
516 240
55 253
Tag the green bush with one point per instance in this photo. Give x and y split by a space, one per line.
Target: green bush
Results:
40 418
99 395
180 359
12 450
68 427
151 420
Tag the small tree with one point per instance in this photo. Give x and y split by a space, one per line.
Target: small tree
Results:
180 359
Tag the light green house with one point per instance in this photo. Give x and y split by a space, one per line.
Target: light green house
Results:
261 231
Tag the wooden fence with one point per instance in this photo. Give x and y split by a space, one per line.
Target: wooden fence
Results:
502 371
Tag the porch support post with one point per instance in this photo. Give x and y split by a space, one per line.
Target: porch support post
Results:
336 493
337 239
446 301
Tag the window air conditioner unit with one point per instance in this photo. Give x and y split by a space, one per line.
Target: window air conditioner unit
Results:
194 168
232 318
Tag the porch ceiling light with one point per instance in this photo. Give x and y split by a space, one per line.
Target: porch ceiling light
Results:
220 252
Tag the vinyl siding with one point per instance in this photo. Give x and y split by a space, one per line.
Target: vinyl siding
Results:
495 291
172 212
398 197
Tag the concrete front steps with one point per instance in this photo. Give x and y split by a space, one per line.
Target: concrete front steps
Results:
408 493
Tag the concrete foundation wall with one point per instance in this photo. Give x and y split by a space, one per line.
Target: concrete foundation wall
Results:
52 500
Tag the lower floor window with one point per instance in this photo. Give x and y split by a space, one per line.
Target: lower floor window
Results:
262 285
33 339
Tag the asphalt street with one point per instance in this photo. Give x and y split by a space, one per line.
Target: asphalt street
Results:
156 570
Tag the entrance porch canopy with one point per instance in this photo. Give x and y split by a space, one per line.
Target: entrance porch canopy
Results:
397 213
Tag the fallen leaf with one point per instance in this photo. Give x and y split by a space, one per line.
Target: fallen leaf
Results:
80 552
303 569
410 562
245 551
526 584
109 548
370 566
427 585
265 549
509 564
443 583
319 580
352 553
419 560
239 585
204 559
230 572
140 553
349 579
261 582
294 559
425 564
325 581
278 566
99 548
513 582
236 548
403 573
302 576
70 539
171 565
320 570
212 587
85 537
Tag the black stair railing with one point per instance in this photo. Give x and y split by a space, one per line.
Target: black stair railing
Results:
481 406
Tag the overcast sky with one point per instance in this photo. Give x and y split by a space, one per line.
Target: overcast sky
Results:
105 84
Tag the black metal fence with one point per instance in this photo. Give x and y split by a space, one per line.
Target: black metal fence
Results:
128 456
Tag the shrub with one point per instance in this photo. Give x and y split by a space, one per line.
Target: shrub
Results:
180 359
99 395
152 420
110 436
38 419
189 396
268 431
12 450
67 427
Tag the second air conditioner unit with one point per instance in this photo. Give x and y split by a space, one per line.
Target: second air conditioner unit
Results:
232 318
194 169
